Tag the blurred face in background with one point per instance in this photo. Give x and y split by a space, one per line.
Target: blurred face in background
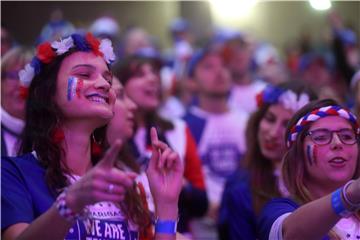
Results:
6 41
122 124
143 87
135 40
272 130
238 59
11 99
317 74
211 76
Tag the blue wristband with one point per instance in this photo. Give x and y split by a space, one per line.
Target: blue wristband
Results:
338 205
165 227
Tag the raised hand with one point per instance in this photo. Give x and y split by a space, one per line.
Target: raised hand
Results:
164 172
104 182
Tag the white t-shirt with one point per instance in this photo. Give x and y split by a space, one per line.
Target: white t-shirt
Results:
243 97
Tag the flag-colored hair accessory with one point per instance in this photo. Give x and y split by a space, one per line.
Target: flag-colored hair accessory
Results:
287 98
315 115
47 52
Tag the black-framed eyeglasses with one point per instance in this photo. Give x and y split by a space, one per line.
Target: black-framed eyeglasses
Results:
325 136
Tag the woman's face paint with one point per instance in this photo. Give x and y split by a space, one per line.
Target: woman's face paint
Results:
74 87
314 153
79 86
311 152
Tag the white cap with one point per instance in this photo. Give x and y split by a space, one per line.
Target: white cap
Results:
106 26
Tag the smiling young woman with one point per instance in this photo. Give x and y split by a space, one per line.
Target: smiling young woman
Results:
259 179
61 189
321 170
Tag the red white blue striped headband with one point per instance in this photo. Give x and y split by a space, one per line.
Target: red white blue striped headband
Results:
315 115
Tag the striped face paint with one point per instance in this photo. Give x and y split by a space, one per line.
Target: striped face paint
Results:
315 153
74 87
79 86
311 151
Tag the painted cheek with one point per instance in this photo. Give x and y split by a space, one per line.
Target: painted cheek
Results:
71 88
74 87
79 87
315 153
311 153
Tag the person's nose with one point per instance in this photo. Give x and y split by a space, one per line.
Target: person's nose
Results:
335 141
276 131
131 105
102 83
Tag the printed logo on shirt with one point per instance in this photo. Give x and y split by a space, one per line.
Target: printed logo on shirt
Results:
222 159
105 222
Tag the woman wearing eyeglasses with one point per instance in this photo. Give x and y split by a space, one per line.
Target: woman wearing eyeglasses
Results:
321 170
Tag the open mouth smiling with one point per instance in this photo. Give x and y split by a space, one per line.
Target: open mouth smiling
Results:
95 97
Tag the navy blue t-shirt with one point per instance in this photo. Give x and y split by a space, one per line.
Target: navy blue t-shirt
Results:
25 196
272 211
237 218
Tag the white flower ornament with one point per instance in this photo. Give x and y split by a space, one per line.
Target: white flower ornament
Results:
303 100
63 45
289 100
26 75
107 49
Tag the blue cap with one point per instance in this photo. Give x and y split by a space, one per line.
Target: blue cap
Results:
179 25
347 36
195 59
315 57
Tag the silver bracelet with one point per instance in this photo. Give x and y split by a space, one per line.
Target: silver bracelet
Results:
353 206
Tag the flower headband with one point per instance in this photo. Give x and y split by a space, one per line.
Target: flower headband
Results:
287 98
316 115
47 52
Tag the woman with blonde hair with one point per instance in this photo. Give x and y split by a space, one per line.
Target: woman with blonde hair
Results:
321 170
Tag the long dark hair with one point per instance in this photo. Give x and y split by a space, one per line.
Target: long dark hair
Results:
125 70
43 117
262 180
43 120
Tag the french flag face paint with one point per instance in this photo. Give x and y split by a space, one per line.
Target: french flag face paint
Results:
79 86
74 87
311 152
315 153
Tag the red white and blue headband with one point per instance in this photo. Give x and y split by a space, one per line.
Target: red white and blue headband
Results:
287 98
315 115
47 52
